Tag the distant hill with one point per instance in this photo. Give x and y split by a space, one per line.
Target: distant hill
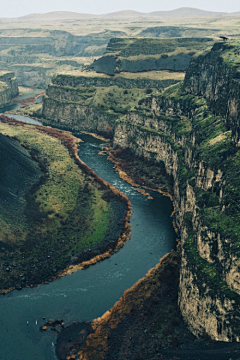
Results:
235 13
124 14
183 12
55 15
186 12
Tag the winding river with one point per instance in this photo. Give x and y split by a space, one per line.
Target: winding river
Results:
88 293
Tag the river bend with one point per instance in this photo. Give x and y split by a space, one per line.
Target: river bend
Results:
88 293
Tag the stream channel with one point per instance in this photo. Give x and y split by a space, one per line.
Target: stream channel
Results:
87 294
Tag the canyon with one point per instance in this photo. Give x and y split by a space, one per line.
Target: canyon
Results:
172 104
192 128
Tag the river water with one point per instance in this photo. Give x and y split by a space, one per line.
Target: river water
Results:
88 293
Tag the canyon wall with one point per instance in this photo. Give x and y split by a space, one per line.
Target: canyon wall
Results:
193 128
216 76
93 102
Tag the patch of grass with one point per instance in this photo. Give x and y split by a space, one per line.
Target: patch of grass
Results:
97 224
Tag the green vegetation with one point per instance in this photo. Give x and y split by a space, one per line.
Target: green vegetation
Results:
62 214
215 149
36 49
27 93
231 53
208 273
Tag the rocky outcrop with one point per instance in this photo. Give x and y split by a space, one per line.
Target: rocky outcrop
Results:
77 100
5 94
35 55
10 79
8 87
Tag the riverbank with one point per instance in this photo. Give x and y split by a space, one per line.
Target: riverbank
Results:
59 234
143 322
146 318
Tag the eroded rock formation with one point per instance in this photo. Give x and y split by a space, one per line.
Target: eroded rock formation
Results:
8 87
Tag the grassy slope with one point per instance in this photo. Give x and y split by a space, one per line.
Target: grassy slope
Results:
64 213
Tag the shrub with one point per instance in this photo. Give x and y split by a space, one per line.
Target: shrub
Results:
148 91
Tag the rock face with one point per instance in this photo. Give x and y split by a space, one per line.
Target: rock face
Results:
8 87
76 116
184 132
209 282
193 128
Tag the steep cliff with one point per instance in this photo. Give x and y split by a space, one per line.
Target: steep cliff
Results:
193 128
8 87
187 130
